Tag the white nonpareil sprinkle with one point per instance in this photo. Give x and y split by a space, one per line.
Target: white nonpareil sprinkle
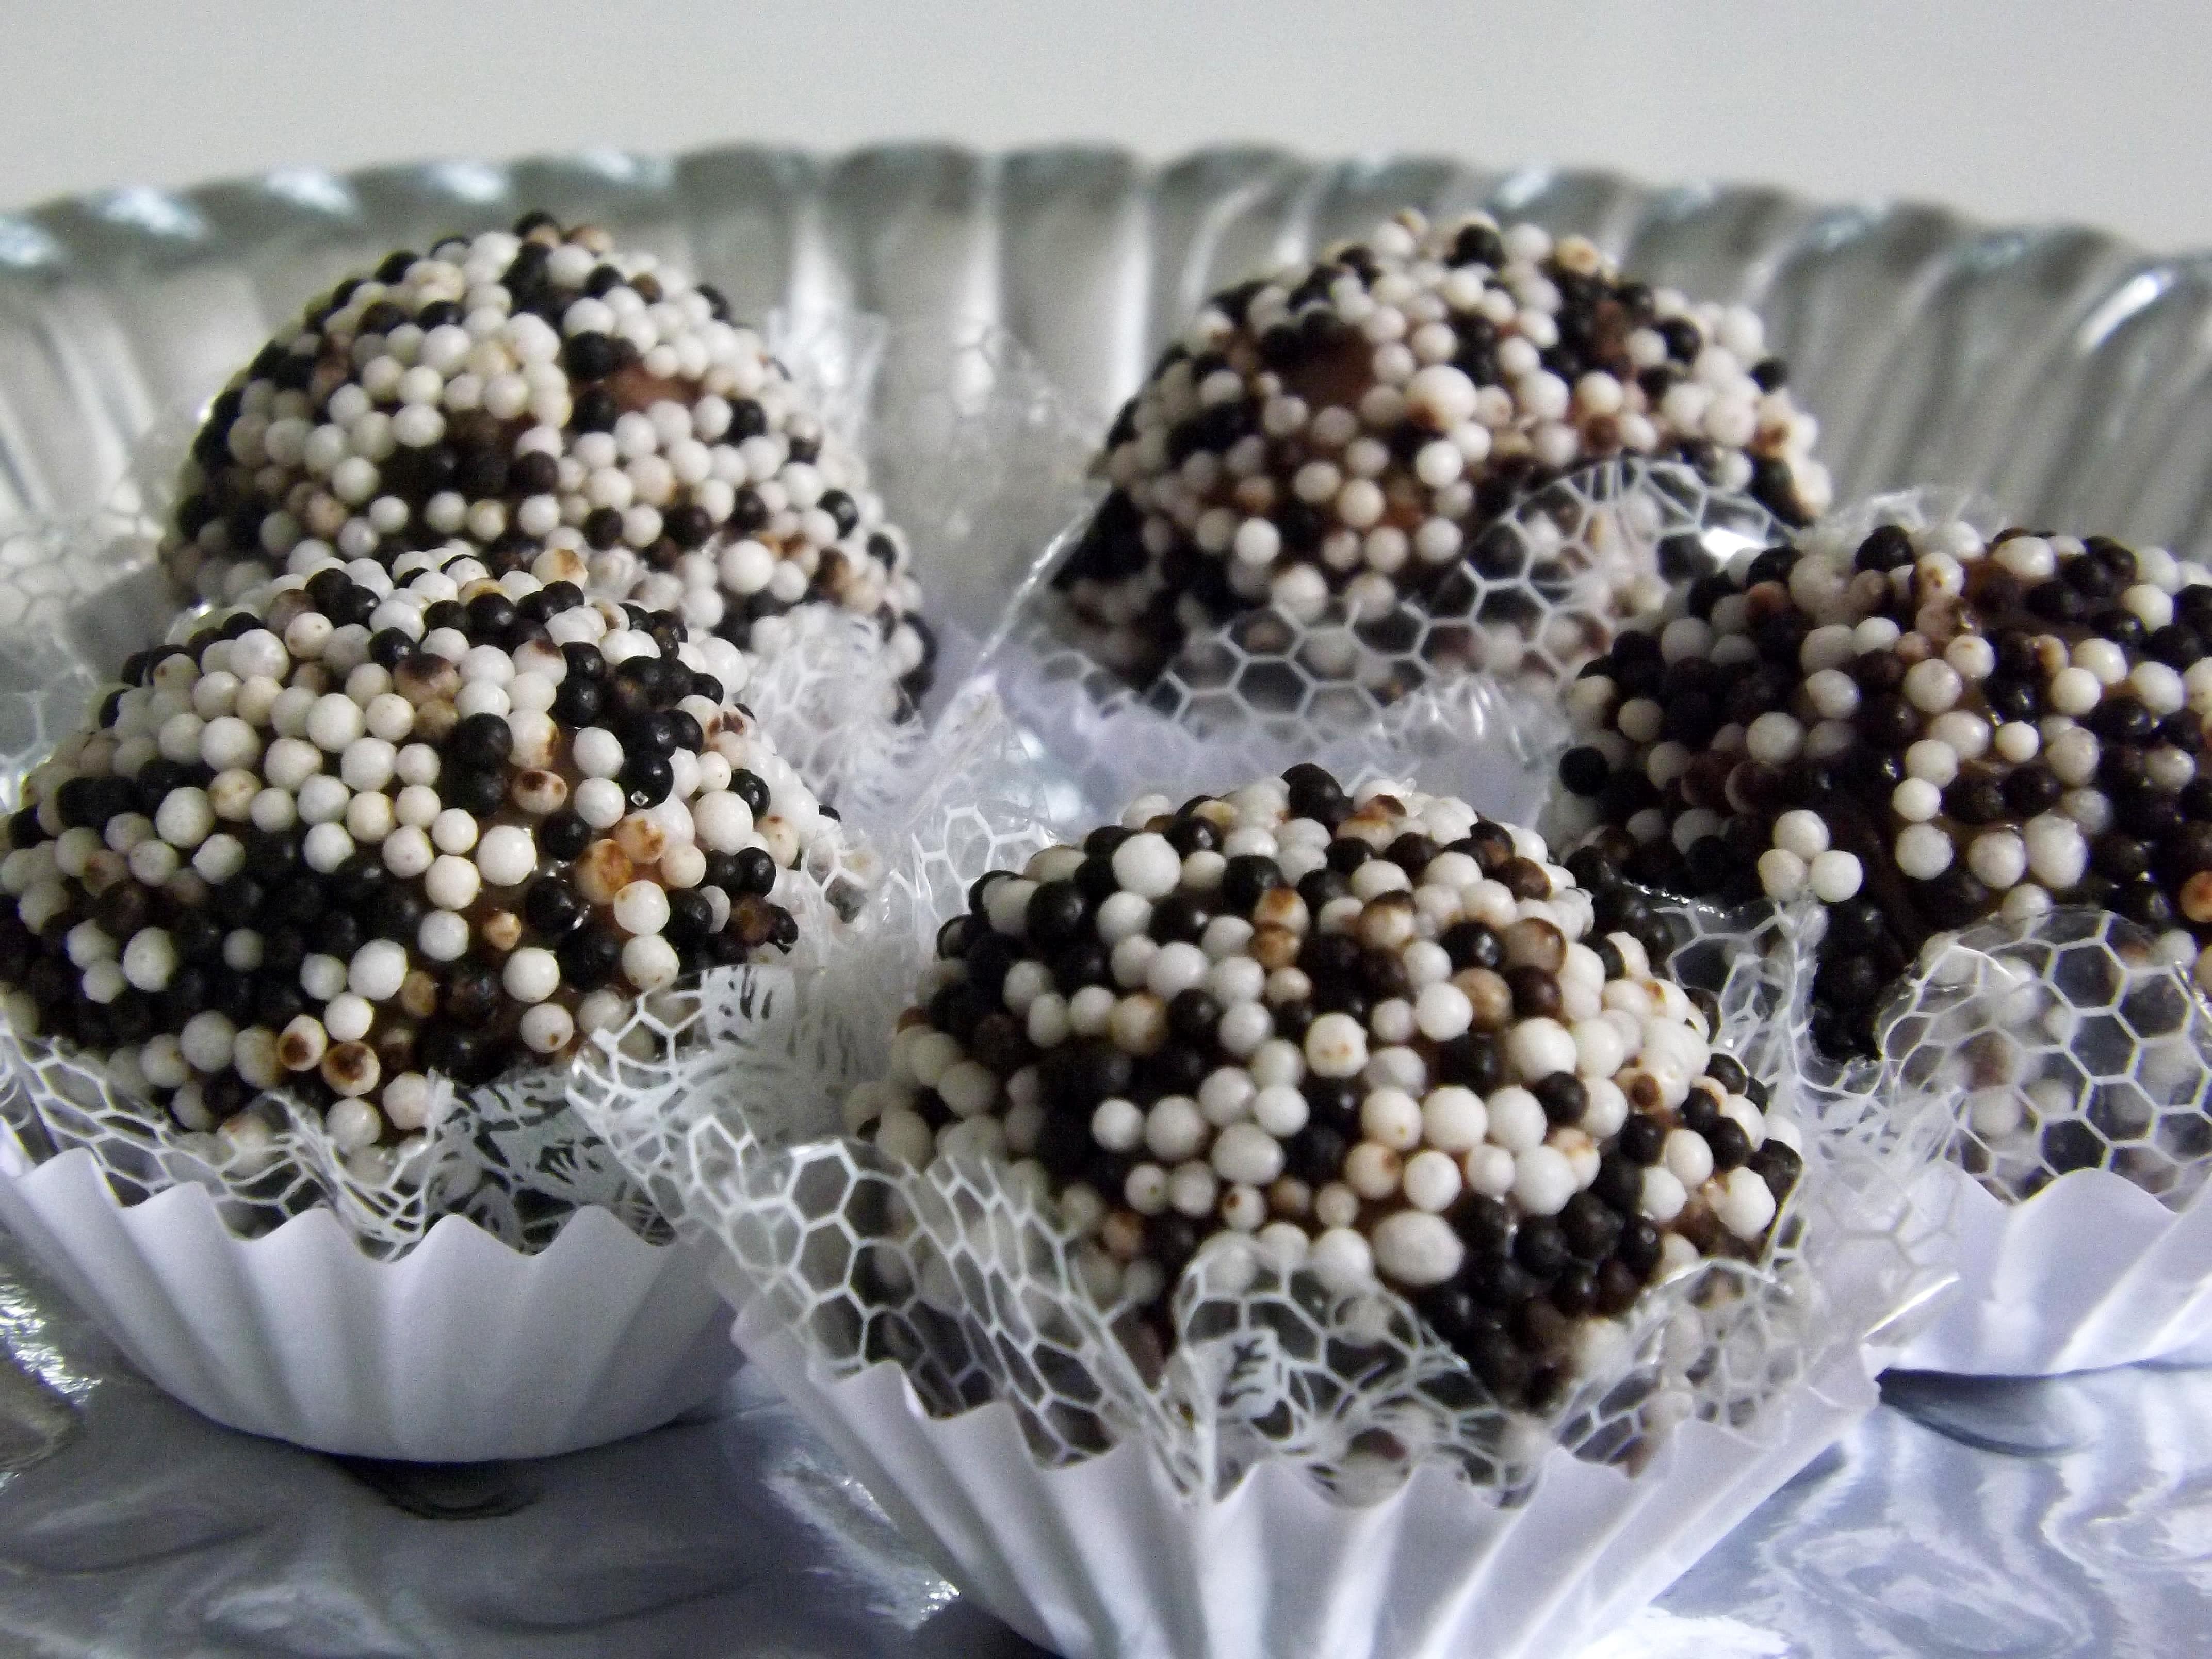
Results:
645 446
2000 728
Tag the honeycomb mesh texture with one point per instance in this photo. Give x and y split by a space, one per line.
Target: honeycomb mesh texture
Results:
1540 592
2062 1044
724 1099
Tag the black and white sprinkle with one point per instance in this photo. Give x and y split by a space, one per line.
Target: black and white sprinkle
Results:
1342 430
571 409
1917 730
1376 1036
377 824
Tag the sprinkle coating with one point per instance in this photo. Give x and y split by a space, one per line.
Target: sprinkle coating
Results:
1343 430
343 835
1447 1084
1915 731
569 409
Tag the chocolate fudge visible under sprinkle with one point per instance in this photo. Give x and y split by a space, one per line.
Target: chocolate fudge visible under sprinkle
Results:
1916 730
1344 429
286 857
570 409
1366 1032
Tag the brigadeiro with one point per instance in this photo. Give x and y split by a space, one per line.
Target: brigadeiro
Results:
1916 728
380 823
1377 1034
573 410
1343 430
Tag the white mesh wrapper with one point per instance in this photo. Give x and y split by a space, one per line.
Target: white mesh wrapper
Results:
2062 1044
982 460
725 1100
1461 685
979 460
509 1156
2074 1066
830 699
78 593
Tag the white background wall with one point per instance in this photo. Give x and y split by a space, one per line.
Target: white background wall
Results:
2019 110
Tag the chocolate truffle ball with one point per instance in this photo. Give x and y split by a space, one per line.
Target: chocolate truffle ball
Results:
1378 1035
572 409
1916 728
375 824
1343 430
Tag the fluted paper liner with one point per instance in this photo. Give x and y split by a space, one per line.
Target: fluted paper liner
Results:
2091 1272
1107 1558
462 1350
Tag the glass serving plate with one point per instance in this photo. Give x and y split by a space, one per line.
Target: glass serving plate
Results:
2058 370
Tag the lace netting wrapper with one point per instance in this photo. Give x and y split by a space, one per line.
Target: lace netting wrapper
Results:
2062 1044
1462 685
2063 1058
509 1156
725 1100
78 593
980 459
983 460
2025 1050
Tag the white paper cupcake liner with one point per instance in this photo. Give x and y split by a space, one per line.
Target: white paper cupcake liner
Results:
2091 1272
463 1350
1106 1558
